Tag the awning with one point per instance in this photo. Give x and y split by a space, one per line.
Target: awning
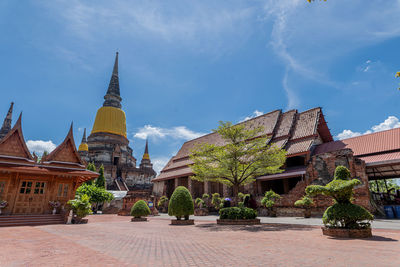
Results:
288 173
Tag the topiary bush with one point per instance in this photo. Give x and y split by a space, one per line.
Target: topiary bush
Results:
343 214
181 203
81 206
140 209
305 202
235 213
216 201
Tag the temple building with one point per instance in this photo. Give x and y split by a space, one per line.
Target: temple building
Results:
304 136
28 184
108 144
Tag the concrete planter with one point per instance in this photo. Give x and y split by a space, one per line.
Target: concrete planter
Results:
347 233
141 219
182 222
201 212
238 222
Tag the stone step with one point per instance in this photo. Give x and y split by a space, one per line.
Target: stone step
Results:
19 220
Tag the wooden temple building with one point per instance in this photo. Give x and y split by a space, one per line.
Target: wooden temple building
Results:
29 184
311 159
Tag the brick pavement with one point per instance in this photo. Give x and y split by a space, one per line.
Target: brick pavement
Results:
109 240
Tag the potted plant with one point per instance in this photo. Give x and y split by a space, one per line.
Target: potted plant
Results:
81 207
306 203
216 201
138 210
200 209
162 204
269 200
181 205
343 218
237 216
54 204
206 199
3 204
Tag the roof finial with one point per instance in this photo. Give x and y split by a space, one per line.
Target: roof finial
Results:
7 122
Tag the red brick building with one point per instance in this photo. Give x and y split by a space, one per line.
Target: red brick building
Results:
312 156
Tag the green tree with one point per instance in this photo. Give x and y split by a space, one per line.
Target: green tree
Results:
81 205
244 157
181 203
96 194
379 186
101 181
90 167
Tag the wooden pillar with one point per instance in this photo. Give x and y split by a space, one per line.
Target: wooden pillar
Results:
226 191
176 182
285 186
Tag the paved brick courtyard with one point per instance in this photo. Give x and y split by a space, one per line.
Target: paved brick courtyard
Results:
110 240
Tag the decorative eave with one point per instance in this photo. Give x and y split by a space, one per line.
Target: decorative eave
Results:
6 141
65 148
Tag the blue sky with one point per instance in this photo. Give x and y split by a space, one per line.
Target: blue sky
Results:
185 65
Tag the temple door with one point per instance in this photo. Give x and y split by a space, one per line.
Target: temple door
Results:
30 197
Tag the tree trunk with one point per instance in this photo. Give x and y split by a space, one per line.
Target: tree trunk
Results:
235 189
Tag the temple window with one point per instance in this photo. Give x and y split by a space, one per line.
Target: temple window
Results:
63 190
39 188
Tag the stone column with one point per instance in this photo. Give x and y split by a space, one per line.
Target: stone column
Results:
206 187
190 185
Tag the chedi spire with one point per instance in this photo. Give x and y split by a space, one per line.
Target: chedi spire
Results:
6 127
113 98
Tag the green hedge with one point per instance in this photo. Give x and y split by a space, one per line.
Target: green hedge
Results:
235 213
181 203
140 209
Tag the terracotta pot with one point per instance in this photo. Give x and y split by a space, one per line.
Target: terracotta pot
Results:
307 213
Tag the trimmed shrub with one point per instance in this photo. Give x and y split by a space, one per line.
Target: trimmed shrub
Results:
181 203
162 201
140 209
269 199
235 213
343 214
305 202
199 202
216 201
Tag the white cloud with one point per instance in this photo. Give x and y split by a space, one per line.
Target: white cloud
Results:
179 132
159 163
256 113
309 37
39 146
198 22
390 123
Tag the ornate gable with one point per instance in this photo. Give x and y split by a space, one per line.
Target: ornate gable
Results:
13 144
65 153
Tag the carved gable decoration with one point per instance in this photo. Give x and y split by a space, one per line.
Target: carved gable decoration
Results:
13 144
65 152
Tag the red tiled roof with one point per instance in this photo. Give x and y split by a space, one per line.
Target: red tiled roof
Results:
295 147
306 123
381 158
185 171
293 131
374 143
